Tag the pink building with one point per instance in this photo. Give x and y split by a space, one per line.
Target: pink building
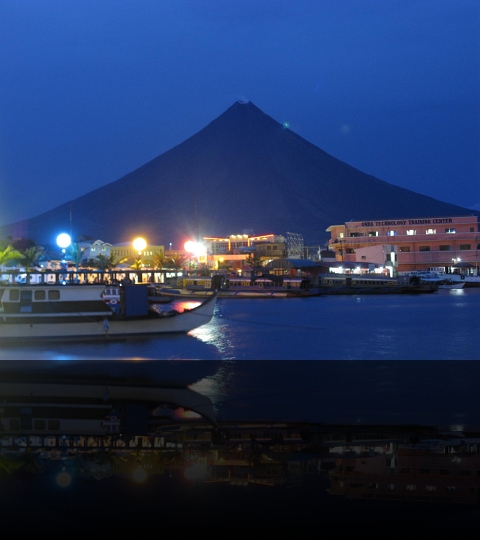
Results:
448 244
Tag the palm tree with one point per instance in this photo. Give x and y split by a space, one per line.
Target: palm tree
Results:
76 254
9 254
158 260
178 261
32 257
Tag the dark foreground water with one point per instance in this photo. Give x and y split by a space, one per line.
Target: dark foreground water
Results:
371 395
441 326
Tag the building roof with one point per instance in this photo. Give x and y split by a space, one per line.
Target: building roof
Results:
291 263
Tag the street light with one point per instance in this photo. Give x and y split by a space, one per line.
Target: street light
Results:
139 245
63 241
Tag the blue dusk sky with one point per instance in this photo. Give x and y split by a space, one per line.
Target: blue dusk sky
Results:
92 90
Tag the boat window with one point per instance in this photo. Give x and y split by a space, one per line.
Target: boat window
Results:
40 295
14 295
54 295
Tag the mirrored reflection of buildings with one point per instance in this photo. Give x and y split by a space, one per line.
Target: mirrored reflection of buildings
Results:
118 446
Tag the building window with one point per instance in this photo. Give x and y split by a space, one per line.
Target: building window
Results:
431 231
464 246
404 249
450 231
411 487
444 248
424 248
350 250
411 232
372 233
431 488
472 229
392 233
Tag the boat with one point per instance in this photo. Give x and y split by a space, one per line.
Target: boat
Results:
112 297
69 312
376 284
453 285
238 287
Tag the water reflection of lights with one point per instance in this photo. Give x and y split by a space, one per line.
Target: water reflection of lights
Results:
139 475
185 305
64 479
196 471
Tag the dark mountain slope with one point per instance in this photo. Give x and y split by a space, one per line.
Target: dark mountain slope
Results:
242 171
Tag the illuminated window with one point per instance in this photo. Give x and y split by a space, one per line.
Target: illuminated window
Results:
392 233
444 248
464 246
411 232
431 231
450 231
373 233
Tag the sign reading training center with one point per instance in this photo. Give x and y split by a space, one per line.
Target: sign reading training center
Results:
406 222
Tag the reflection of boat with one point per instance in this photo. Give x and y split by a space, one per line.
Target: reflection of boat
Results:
66 407
78 312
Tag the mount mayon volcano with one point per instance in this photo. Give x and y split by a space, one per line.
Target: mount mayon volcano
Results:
242 171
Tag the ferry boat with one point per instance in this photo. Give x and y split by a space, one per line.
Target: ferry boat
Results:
366 284
241 287
52 312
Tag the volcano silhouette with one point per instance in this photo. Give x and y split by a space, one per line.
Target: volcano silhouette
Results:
242 171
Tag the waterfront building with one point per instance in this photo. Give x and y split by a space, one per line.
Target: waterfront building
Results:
232 251
125 250
91 250
446 244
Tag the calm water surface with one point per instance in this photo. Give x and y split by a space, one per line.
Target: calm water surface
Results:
439 326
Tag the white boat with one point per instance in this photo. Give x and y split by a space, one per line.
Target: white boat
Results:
52 312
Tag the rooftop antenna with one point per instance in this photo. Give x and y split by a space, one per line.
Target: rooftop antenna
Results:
197 235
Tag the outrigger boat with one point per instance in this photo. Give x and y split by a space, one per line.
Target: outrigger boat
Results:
53 312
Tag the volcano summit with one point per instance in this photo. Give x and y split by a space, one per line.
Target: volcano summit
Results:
244 170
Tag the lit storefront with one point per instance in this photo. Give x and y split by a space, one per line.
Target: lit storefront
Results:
439 243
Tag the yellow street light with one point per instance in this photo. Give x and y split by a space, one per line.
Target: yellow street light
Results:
139 244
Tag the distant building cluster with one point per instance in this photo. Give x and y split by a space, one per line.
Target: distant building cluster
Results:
442 244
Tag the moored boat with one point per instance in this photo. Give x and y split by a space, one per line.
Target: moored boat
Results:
238 287
365 284
46 312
